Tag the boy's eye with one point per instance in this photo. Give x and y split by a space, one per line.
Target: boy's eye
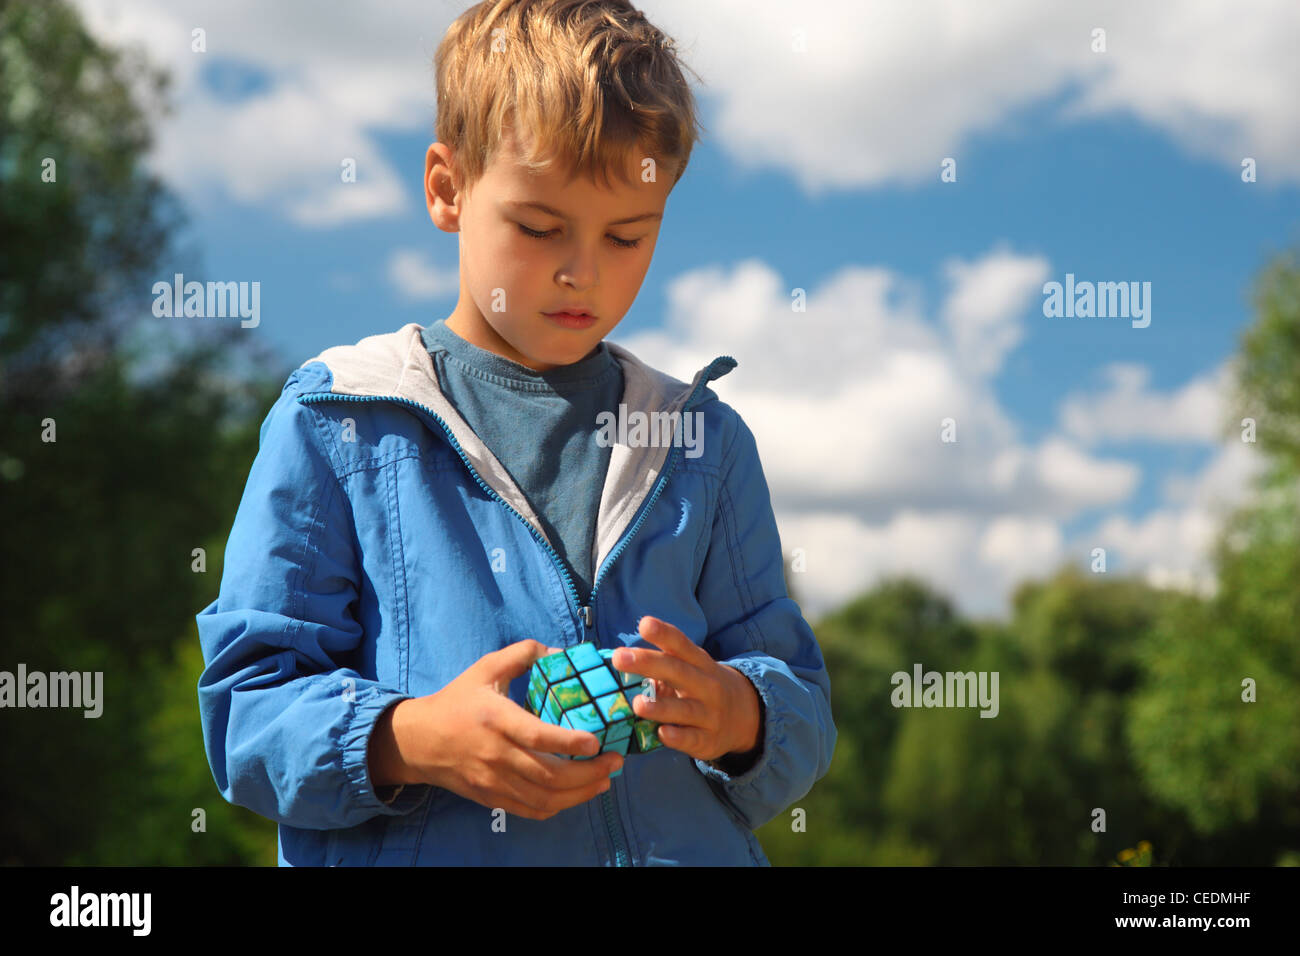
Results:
624 243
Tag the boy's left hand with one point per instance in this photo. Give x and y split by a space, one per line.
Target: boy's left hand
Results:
708 710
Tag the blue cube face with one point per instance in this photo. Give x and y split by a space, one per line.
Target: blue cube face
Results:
586 718
617 732
628 679
585 656
599 682
579 688
615 708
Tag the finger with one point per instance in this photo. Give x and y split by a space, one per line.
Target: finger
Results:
522 797
677 673
685 711
501 667
553 773
688 740
526 730
672 640
539 804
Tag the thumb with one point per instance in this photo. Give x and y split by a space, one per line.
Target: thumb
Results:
501 667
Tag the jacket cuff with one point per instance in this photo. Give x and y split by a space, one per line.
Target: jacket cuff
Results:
768 737
366 711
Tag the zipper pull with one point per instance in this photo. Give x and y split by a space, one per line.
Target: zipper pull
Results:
586 615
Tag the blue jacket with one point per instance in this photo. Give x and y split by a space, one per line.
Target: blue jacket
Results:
380 549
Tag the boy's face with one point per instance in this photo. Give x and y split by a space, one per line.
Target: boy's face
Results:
509 280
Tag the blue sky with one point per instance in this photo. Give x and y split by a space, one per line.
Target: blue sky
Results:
820 170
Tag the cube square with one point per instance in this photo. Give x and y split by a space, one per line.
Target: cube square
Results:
585 656
555 668
579 688
646 738
615 710
599 682
586 718
570 693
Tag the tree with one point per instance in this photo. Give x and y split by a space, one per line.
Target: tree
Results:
153 426
1217 725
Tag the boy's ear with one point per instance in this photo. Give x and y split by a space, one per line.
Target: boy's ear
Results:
440 193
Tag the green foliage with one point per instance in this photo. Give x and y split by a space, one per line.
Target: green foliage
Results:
1232 763
1267 380
163 829
153 435
945 786
74 248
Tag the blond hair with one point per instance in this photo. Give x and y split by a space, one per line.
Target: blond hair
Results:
591 84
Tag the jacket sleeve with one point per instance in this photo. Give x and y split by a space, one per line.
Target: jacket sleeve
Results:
754 626
286 723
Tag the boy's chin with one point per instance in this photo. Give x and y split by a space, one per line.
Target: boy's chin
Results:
551 355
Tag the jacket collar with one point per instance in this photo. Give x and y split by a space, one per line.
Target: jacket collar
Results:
398 365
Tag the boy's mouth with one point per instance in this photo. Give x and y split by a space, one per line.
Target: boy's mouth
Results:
572 319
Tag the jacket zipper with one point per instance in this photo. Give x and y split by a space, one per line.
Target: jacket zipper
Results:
586 614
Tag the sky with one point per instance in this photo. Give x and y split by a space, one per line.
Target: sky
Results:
1110 157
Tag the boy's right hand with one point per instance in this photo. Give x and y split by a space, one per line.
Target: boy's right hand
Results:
473 740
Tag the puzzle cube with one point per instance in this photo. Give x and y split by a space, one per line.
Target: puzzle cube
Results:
580 689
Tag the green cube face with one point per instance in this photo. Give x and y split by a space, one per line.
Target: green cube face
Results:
570 693
555 668
536 691
647 737
579 688
551 712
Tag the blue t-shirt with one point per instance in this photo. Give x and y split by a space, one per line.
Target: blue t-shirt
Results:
542 427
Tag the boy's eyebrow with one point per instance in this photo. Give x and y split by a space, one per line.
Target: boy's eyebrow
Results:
551 211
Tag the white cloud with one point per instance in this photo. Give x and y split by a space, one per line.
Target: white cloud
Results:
1127 410
1218 78
842 111
1020 547
416 278
1171 546
847 400
984 312
1223 482
336 76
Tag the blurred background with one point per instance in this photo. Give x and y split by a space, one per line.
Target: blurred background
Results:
881 194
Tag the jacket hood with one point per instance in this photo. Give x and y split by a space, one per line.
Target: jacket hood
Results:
397 365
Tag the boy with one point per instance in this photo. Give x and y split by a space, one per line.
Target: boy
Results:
433 509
